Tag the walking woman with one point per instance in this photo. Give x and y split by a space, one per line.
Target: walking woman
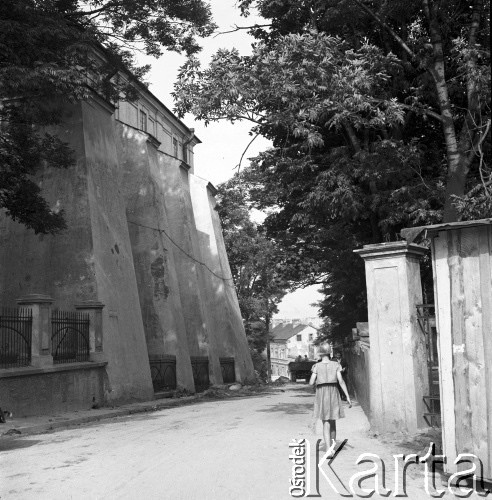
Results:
327 405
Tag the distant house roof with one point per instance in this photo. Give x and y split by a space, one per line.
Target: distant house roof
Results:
285 331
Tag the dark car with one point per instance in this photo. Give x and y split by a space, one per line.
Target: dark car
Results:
300 369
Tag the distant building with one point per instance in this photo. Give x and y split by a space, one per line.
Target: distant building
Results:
314 321
290 341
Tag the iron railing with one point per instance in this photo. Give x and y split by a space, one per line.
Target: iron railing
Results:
199 365
15 337
228 371
163 372
69 336
426 317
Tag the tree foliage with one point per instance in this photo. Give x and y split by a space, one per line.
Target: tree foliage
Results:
258 264
48 58
379 114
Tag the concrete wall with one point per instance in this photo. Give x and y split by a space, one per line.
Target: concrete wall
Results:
124 338
60 266
62 388
143 189
243 365
225 325
144 239
92 259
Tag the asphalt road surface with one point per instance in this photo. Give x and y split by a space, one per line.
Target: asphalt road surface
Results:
222 449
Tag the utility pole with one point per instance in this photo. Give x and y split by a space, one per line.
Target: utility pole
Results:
267 320
267 327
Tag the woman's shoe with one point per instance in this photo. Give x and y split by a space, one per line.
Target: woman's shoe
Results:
332 450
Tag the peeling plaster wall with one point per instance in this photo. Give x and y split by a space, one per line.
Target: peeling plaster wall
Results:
185 307
153 256
144 239
226 294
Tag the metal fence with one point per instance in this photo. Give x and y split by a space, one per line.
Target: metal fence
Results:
69 336
163 372
199 365
426 317
228 371
15 337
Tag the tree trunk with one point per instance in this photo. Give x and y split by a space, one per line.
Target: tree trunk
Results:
457 171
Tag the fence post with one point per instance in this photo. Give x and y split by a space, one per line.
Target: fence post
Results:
398 361
94 310
40 305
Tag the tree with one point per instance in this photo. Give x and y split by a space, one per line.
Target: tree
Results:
377 124
47 59
258 264
444 46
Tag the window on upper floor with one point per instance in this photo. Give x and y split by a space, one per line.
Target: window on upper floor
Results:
310 336
185 153
299 338
143 121
175 147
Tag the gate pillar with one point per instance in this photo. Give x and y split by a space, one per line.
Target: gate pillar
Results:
398 363
40 305
94 310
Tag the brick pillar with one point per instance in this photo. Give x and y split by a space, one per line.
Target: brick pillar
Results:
40 305
398 360
94 310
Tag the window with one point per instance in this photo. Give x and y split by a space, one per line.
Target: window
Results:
299 338
175 147
185 153
143 121
310 336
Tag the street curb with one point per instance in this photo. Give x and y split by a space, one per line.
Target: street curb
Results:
106 414
97 415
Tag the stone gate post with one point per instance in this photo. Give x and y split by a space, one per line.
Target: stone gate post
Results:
94 310
40 305
398 361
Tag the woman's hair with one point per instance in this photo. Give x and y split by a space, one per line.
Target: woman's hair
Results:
324 350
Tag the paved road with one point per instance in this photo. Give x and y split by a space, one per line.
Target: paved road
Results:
227 449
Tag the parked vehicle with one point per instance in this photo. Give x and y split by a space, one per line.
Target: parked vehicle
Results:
300 370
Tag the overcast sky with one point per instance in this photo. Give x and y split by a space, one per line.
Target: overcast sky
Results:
223 143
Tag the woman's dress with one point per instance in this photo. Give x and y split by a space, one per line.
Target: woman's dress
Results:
327 404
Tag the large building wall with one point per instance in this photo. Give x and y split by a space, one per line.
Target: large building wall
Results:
153 256
179 256
222 304
144 239
124 338
92 258
30 263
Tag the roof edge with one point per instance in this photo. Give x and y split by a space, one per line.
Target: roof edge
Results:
410 234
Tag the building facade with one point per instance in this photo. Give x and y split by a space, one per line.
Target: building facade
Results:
291 340
143 240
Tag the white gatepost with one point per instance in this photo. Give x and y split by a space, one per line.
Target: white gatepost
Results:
398 361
